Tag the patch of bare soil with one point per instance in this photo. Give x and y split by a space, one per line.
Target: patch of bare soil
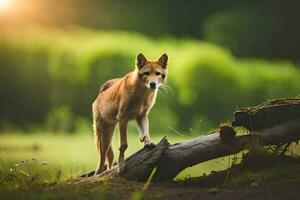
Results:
286 190
260 175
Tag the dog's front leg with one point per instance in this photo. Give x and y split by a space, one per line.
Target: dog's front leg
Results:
143 124
123 144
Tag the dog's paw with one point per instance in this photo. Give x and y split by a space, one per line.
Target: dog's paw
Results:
121 167
100 169
149 145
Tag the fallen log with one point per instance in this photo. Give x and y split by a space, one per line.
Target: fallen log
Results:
186 154
138 166
268 114
172 159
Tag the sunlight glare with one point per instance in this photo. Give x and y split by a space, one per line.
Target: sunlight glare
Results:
5 4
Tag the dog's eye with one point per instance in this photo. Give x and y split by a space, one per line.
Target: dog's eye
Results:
158 73
146 73
163 76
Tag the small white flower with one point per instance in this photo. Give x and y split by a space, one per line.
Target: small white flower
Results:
11 169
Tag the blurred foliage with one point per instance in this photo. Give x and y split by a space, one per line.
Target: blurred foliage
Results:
257 28
245 31
264 28
52 76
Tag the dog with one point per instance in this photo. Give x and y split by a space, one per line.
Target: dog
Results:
123 99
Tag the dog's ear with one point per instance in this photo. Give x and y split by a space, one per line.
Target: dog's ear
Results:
163 61
141 61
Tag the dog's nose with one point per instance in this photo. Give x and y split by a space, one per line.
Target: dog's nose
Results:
152 85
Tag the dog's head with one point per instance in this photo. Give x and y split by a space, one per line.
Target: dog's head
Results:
152 73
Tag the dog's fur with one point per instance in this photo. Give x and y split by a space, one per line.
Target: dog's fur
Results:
124 99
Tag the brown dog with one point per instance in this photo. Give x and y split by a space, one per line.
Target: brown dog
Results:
124 99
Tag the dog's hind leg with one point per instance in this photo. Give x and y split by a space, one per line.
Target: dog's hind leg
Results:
103 132
123 145
110 157
103 136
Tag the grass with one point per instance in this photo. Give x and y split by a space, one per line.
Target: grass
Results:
257 168
37 166
54 158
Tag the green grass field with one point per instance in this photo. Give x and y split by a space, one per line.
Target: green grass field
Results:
39 165
68 156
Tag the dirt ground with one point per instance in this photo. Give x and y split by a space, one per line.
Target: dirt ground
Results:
120 189
194 191
259 176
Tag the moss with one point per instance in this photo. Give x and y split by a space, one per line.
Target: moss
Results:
257 168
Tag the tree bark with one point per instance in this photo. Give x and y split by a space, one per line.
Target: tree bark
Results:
270 123
186 154
268 114
138 166
172 159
